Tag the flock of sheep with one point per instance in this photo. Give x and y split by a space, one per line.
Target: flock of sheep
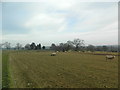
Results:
108 57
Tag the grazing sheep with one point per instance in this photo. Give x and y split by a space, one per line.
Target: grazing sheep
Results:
110 57
53 54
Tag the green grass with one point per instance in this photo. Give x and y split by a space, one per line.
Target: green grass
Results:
31 69
5 70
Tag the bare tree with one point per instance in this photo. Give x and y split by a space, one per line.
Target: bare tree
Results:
61 47
70 45
27 46
1 44
7 45
78 44
18 46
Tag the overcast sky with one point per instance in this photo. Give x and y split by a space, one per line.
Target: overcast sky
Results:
56 21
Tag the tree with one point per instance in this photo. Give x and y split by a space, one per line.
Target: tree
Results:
33 46
105 48
18 46
53 46
70 45
1 44
27 46
78 44
43 47
91 48
7 45
61 47
66 46
38 46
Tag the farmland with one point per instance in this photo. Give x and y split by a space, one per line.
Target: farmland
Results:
37 69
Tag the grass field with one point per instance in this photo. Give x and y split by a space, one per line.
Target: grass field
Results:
35 69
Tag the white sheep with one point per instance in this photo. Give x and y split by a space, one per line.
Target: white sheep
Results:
110 57
53 54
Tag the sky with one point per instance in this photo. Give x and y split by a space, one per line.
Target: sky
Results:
57 21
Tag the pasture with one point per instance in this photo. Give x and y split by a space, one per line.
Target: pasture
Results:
38 69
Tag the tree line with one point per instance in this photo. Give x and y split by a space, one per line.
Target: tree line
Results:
79 45
19 46
75 45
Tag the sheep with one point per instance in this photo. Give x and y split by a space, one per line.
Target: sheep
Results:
110 57
53 54
57 51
